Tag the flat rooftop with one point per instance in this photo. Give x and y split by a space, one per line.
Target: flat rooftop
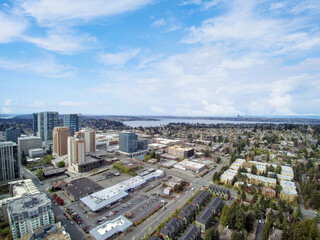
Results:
109 228
21 188
28 203
105 197
82 186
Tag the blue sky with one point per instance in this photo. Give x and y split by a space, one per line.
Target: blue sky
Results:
152 57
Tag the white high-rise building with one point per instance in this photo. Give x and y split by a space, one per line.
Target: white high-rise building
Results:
29 213
90 137
76 152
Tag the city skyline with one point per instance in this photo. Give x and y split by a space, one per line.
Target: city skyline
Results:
148 57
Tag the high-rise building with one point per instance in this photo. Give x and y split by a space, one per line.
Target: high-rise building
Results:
12 134
60 140
9 162
76 151
142 144
27 143
128 142
46 122
35 124
73 122
29 213
90 137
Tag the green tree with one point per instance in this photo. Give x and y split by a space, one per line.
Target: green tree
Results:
239 217
313 231
40 173
61 164
237 236
297 213
218 160
249 222
314 200
224 216
298 233
266 230
317 217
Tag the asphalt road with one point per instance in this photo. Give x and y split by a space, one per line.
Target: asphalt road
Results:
259 231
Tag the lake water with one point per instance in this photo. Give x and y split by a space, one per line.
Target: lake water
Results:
164 121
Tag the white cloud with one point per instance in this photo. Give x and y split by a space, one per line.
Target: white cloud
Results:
36 104
190 2
73 103
221 108
118 58
158 23
277 5
6 107
11 27
243 28
169 24
7 102
71 12
238 65
157 109
43 67
62 41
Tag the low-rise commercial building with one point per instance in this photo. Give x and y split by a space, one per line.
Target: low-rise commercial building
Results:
53 172
110 228
111 195
181 152
82 187
190 166
36 152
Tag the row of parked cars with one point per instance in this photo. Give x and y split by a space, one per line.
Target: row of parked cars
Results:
75 216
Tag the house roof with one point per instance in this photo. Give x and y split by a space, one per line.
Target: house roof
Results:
191 233
205 216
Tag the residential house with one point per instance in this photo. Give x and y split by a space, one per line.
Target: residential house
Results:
220 192
187 213
203 221
192 233
172 228
216 205
201 199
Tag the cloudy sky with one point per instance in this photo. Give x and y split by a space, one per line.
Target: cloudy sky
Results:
160 57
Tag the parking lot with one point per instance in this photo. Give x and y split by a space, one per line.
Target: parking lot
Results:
136 207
